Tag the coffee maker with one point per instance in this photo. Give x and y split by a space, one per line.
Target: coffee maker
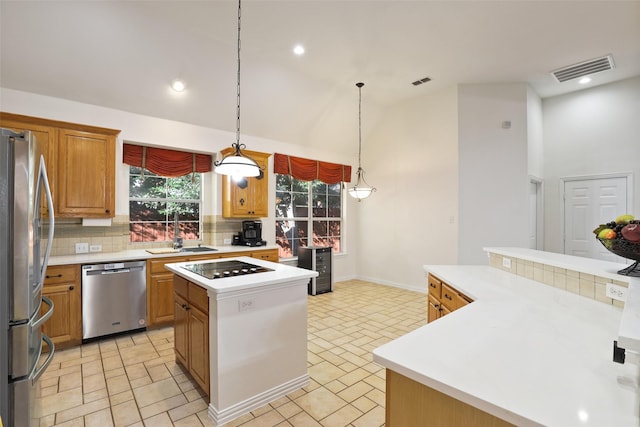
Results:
251 234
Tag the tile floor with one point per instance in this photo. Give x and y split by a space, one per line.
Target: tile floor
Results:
133 380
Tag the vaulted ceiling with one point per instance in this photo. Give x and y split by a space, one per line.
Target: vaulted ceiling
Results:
124 54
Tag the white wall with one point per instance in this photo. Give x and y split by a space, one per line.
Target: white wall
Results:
166 133
411 157
493 164
591 132
535 142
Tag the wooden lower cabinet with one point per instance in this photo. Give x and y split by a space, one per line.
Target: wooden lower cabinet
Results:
409 404
62 287
191 330
443 298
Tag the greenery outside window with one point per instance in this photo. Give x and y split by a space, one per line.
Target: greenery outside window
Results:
308 213
153 202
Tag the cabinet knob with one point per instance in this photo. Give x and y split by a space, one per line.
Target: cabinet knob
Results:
107 210
71 288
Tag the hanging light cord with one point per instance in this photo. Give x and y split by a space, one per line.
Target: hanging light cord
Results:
359 126
238 99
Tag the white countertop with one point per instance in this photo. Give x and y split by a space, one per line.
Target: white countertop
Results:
629 328
523 351
136 254
281 273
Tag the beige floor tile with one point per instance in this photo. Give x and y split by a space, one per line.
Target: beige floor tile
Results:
303 420
163 406
289 409
188 409
125 414
101 418
355 391
268 419
364 404
95 395
190 421
373 418
114 373
325 372
82 410
155 392
117 385
77 422
119 398
139 382
159 372
160 420
57 402
320 403
342 417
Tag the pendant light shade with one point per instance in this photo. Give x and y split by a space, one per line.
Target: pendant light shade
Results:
361 190
238 164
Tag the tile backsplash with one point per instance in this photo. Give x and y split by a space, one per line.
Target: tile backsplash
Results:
115 238
587 285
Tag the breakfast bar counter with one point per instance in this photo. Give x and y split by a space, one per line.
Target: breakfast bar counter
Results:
525 353
256 337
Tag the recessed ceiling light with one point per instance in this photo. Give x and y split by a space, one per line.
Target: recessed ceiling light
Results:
298 49
178 85
584 80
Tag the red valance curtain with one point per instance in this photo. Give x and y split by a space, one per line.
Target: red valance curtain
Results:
309 170
170 163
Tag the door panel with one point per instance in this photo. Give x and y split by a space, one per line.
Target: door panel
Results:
588 203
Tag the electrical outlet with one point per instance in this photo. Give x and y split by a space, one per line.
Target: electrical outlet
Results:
82 248
95 248
616 292
245 304
506 262
227 241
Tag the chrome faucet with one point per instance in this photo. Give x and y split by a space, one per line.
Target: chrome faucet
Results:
177 240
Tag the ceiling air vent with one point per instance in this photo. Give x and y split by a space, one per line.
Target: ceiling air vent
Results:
419 82
584 69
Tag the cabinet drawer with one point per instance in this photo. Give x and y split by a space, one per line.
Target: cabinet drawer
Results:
450 297
267 255
157 265
435 286
62 274
181 286
198 297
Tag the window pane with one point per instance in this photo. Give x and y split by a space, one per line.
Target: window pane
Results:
283 204
334 189
184 187
147 211
148 231
299 186
319 206
283 182
319 187
148 188
334 210
333 228
289 236
300 205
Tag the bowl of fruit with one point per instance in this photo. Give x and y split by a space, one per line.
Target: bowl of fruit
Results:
621 237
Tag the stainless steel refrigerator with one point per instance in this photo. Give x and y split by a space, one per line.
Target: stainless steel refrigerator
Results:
25 239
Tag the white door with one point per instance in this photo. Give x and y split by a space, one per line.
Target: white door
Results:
588 203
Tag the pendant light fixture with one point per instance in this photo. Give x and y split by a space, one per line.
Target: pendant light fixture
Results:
238 164
361 190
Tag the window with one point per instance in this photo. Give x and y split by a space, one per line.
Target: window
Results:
307 208
154 200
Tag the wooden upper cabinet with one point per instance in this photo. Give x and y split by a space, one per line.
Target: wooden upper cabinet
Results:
80 163
46 137
248 198
86 178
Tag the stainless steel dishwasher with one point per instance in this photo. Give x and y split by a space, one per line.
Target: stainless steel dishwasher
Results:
114 298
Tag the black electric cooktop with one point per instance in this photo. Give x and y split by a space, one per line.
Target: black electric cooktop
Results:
220 270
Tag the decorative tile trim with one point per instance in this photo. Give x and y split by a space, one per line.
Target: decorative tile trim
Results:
584 284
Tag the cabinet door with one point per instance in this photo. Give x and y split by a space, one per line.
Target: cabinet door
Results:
64 327
181 331
433 309
86 188
199 347
46 137
247 198
160 299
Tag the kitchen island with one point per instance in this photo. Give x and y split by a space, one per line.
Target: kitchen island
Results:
522 353
256 331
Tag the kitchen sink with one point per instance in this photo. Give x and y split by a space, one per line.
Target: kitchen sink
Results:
197 249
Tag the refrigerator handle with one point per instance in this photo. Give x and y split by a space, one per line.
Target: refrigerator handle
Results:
45 182
45 316
39 371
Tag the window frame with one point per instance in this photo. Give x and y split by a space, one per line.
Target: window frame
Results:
310 219
169 232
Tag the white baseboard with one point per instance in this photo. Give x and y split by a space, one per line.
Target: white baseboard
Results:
223 416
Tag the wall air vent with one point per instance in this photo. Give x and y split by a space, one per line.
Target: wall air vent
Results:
419 82
583 69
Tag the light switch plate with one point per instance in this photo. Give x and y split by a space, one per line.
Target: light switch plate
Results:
616 292
95 248
506 262
82 248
